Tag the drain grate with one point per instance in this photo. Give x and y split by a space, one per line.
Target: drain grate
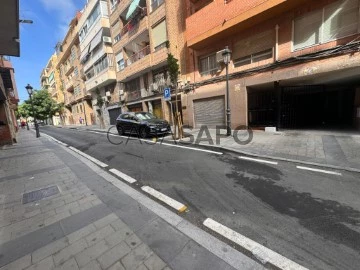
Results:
37 195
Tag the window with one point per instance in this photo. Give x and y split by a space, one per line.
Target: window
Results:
120 64
155 4
159 34
77 91
253 58
76 72
334 21
113 4
73 53
133 85
117 38
89 22
102 64
208 65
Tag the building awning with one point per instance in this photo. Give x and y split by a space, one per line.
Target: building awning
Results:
132 8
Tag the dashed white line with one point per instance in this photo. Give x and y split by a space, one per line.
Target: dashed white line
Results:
96 161
317 170
262 253
259 160
164 198
123 176
162 143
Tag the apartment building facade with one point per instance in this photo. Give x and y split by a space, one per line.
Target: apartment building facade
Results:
97 58
50 81
77 101
9 99
294 64
143 33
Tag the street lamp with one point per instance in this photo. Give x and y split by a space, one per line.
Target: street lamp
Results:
226 53
29 89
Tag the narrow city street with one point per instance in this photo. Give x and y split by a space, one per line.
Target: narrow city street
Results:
310 217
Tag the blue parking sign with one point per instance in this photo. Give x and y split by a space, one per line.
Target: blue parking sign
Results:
167 94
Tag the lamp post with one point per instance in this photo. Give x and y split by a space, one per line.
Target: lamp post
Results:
29 89
227 58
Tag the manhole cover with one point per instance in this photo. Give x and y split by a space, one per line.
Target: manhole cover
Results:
37 195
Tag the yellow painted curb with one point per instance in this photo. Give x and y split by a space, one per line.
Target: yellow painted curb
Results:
182 209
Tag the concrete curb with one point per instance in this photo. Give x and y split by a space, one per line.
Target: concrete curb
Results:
227 149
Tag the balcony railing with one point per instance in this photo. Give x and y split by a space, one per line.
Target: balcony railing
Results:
137 56
133 24
69 99
133 95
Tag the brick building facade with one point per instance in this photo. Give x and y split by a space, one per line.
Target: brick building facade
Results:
77 100
294 63
142 38
9 99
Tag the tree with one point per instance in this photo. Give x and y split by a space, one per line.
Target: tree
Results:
23 111
173 67
42 105
100 103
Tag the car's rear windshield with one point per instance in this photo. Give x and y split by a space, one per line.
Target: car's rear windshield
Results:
145 116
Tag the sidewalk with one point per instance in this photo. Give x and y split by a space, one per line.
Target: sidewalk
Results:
339 150
79 220
313 147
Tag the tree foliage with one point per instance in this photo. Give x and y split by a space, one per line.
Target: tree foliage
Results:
42 105
173 67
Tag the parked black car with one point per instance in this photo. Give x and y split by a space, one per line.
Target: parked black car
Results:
141 123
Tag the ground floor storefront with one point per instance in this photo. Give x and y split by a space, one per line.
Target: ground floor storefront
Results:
317 95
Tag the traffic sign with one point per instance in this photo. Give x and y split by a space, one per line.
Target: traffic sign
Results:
167 94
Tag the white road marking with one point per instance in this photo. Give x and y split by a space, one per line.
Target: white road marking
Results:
123 176
164 198
55 140
96 161
259 160
262 253
162 143
317 170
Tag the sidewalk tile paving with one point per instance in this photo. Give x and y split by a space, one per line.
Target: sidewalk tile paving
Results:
80 228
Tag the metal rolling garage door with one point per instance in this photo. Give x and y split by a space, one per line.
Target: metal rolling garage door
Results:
113 114
209 112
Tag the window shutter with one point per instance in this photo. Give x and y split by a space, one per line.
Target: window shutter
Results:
254 44
115 29
119 57
307 30
340 19
159 33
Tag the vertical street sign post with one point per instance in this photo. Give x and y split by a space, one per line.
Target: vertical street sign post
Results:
167 97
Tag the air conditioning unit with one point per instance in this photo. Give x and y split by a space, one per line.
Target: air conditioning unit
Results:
219 56
107 39
107 93
121 92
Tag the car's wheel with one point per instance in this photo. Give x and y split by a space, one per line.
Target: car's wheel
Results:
120 130
143 133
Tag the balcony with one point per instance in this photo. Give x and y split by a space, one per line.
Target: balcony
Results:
69 99
68 69
247 14
137 62
133 95
105 77
133 28
69 86
159 56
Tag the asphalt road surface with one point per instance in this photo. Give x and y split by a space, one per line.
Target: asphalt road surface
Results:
309 217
